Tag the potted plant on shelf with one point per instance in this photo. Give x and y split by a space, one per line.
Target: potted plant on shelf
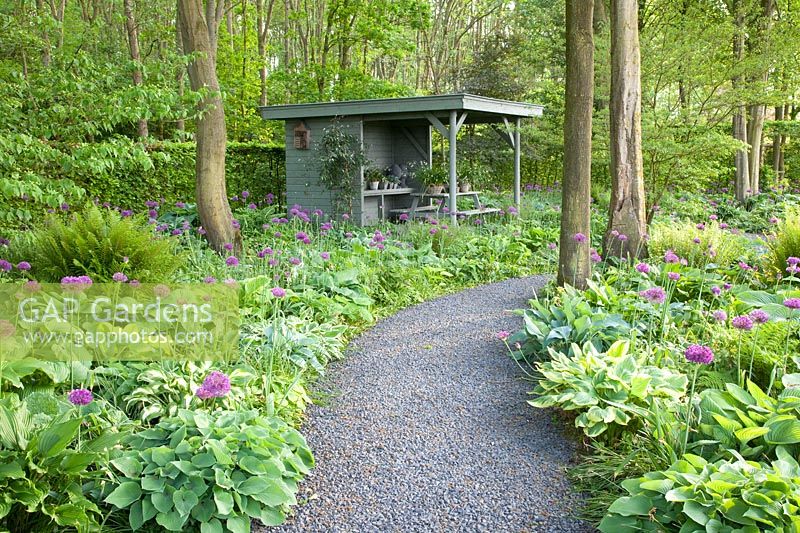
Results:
433 178
373 176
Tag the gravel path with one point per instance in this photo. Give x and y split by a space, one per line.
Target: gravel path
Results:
427 429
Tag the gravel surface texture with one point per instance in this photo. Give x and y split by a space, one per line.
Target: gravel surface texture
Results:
427 429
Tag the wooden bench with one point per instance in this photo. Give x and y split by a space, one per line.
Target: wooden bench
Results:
422 209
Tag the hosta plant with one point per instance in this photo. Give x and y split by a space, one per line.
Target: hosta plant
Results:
211 472
750 421
46 469
608 389
558 327
726 496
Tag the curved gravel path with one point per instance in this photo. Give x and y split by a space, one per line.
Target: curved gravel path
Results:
427 428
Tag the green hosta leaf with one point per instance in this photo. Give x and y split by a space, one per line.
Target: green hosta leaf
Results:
212 526
224 501
162 502
55 439
783 430
128 465
658 485
639 385
124 495
631 506
758 298
171 521
745 435
697 512
238 524
11 470
184 501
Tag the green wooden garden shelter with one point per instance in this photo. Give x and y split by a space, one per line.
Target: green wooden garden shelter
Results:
392 132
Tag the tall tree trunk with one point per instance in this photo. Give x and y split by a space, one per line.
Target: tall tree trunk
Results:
45 35
133 47
777 146
627 215
262 32
742 179
759 41
180 124
600 22
573 262
199 30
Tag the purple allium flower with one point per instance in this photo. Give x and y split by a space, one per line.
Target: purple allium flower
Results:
295 260
403 217
792 303
228 246
759 316
24 265
272 262
177 232
701 226
552 245
713 217
180 205
345 217
742 322
325 255
5 266
579 238
277 234
512 210
674 276
161 290
644 268
119 277
744 266
65 206
235 223
278 292
209 279
723 225
433 231
792 261
720 315
216 385
245 194
696 240
135 283
594 257
80 396
655 295
715 290
671 257
614 233
503 335
622 237
232 261
77 282
773 220
201 230
300 236
317 212
33 286
697 353
727 286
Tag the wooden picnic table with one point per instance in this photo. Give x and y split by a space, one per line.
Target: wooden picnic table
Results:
442 199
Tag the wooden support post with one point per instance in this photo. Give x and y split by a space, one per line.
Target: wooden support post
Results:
453 183
517 195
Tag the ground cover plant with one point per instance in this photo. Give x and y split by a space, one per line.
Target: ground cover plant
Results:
680 372
212 445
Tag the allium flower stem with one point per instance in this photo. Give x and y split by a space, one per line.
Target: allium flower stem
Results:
753 354
689 410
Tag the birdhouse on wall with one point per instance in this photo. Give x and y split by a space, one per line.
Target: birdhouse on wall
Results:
302 137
